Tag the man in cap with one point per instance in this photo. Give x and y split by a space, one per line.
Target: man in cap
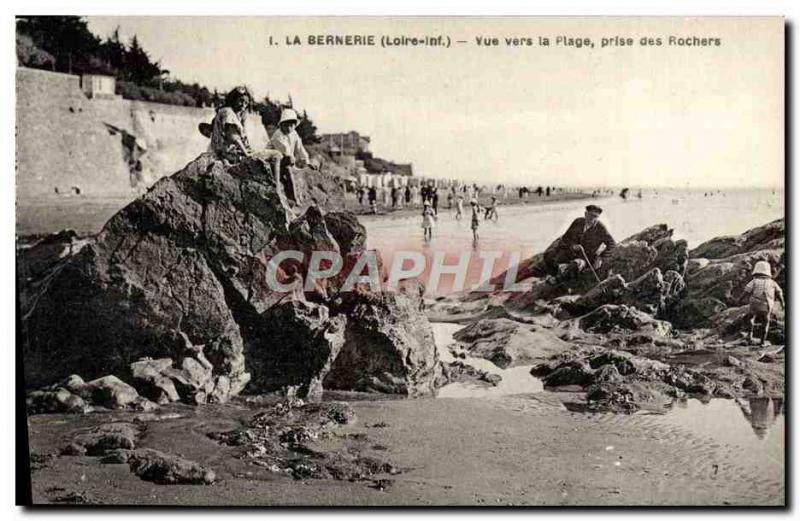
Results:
581 243
286 141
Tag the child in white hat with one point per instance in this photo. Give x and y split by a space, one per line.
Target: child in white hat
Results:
476 210
286 140
427 221
761 292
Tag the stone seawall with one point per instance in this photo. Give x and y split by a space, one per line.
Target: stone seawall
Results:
68 144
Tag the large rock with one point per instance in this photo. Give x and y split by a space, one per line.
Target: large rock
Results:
651 293
348 232
304 341
650 235
162 468
613 318
629 260
148 375
181 274
716 283
507 343
771 236
388 347
735 321
109 391
104 438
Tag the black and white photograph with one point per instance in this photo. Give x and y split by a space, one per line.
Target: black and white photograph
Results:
325 261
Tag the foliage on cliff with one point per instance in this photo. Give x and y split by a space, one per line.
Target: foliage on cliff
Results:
65 44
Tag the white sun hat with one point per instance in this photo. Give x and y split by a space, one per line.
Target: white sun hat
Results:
762 268
288 115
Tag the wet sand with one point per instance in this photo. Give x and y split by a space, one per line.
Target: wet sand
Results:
480 449
521 450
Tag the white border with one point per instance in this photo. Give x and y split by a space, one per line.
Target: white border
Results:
788 8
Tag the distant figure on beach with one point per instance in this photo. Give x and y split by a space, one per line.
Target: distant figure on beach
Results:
449 200
491 211
423 192
434 193
459 207
475 221
547 192
579 246
539 191
408 195
228 137
360 193
427 221
394 197
760 293
372 196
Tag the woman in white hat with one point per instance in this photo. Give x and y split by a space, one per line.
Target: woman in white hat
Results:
761 292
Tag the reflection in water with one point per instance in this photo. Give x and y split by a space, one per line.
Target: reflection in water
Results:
762 413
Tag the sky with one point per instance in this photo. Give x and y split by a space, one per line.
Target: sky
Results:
669 115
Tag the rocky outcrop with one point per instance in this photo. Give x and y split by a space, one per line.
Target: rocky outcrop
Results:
73 395
304 340
104 438
389 346
771 236
162 468
283 439
507 343
613 318
720 270
458 371
651 248
651 293
179 277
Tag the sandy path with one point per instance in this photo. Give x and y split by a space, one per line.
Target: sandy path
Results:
522 450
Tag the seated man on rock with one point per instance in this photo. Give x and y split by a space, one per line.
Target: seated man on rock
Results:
579 247
286 141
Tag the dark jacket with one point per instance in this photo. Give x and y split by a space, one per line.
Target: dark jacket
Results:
590 240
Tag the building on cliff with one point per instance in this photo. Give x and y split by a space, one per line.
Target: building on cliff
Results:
346 143
350 150
99 86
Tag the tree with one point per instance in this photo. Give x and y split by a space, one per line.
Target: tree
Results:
67 38
307 130
137 66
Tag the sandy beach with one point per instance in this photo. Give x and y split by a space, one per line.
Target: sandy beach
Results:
515 442
515 450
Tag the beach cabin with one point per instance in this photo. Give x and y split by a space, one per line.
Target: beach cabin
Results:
99 86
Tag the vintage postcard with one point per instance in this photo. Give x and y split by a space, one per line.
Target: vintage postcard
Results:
409 261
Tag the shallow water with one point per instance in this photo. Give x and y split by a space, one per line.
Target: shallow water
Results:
694 216
515 380
756 427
